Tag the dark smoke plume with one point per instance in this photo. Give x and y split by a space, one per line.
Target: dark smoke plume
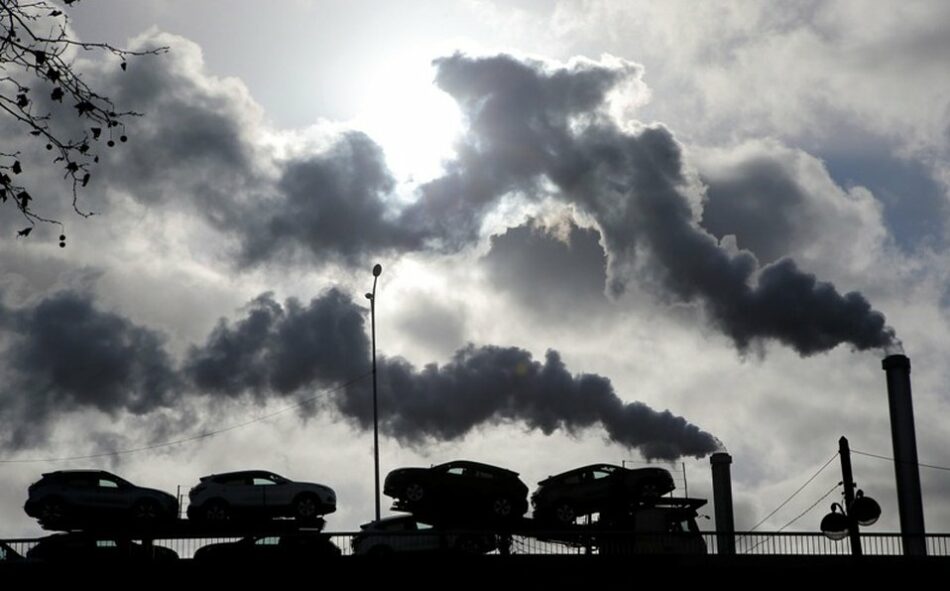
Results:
63 354
530 123
295 349
534 130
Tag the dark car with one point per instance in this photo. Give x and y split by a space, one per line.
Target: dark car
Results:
404 533
258 493
597 488
655 526
75 498
458 489
80 547
296 547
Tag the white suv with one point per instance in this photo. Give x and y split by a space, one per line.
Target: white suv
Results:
258 493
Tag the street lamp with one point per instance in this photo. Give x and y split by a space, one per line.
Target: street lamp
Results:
858 509
377 269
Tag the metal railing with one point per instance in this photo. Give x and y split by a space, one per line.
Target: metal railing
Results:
536 543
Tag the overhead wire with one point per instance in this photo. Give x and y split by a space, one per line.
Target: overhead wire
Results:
889 459
799 516
792 496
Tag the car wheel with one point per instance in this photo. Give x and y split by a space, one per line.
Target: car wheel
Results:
415 492
52 511
306 508
216 512
146 511
502 507
564 513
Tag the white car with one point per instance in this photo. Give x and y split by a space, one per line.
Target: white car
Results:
403 533
258 493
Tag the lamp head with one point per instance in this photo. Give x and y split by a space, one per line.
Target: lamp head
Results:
377 269
835 525
865 510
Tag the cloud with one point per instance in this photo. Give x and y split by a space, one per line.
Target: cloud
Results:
535 131
282 349
530 123
62 354
327 204
779 201
296 350
204 148
65 355
539 130
492 385
554 269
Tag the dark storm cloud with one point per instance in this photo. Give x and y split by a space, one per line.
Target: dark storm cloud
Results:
198 148
542 268
529 122
63 354
519 129
535 130
282 348
489 385
295 349
759 202
330 203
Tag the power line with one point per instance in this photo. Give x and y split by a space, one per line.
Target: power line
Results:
864 453
800 515
812 506
792 496
204 435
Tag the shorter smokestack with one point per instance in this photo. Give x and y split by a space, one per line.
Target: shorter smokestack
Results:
722 499
906 470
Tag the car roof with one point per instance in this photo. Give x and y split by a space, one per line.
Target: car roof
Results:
80 472
613 467
249 473
471 464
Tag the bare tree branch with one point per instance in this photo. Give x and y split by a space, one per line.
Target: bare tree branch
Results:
35 44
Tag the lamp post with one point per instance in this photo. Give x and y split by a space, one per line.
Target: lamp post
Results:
377 269
858 509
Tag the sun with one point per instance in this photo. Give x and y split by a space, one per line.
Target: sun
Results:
413 120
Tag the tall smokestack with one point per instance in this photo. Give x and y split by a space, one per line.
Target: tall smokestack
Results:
722 499
905 454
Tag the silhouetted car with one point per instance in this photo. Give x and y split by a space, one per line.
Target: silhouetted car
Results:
655 526
404 533
74 498
458 488
257 493
297 547
595 489
80 547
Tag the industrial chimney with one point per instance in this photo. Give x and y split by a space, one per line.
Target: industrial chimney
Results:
906 470
722 499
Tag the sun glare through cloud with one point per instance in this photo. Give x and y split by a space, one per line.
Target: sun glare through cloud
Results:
414 121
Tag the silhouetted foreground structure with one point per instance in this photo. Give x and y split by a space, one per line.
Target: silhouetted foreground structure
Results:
457 570
903 434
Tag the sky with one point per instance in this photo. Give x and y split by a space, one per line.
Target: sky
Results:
610 231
